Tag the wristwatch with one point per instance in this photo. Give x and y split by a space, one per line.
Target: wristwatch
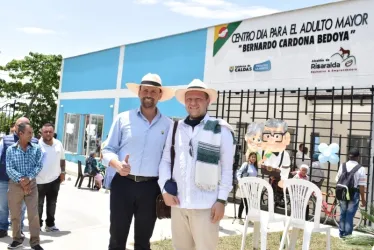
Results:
222 201
63 172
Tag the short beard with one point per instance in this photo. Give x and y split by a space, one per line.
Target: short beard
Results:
148 104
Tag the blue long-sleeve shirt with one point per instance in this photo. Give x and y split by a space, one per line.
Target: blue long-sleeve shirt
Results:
21 163
131 133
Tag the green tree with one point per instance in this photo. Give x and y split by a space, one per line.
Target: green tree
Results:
34 85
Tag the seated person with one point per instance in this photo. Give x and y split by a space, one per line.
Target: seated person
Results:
316 172
302 173
248 169
92 169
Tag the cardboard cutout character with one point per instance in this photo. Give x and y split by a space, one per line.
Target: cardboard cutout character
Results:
253 138
275 140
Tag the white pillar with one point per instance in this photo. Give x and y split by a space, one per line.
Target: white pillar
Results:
119 80
58 97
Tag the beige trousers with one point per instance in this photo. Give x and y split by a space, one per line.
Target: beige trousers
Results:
15 198
192 229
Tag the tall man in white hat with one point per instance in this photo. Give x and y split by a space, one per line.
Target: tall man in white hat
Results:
134 149
204 152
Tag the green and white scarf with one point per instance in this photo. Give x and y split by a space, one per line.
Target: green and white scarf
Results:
208 167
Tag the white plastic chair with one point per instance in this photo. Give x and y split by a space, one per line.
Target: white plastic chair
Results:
300 192
251 189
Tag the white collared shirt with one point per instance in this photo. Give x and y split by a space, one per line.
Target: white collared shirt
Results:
189 195
52 154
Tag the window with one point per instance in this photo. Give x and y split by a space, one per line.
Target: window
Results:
315 139
363 145
93 133
71 132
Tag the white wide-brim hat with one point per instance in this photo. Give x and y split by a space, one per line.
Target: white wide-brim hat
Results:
196 85
152 80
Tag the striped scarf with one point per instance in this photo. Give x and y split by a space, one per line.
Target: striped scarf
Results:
208 169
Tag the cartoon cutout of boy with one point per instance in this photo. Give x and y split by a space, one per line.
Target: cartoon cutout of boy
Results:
253 138
275 140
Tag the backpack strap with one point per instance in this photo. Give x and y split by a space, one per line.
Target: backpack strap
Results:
344 168
172 150
355 169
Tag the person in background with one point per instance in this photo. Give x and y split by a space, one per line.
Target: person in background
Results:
12 128
5 143
302 173
349 208
316 172
51 175
92 169
302 156
248 169
23 163
300 152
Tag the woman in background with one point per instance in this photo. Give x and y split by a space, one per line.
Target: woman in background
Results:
248 169
92 169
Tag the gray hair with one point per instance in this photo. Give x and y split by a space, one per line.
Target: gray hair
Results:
254 128
276 123
22 126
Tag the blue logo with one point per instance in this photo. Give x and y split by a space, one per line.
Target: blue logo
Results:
260 67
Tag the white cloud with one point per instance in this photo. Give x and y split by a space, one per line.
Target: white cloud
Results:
212 2
146 1
216 9
35 30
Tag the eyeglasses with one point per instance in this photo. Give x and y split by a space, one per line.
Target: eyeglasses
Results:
191 148
277 137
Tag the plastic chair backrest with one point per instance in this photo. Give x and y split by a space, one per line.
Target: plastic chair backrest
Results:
251 189
300 192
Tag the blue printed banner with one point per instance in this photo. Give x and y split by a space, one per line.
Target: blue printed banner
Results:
265 66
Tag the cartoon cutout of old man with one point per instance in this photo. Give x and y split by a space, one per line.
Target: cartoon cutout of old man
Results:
275 140
253 138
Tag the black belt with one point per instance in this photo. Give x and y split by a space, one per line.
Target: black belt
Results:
140 178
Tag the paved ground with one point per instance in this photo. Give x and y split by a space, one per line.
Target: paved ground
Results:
83 218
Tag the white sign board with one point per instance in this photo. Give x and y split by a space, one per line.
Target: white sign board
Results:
324 46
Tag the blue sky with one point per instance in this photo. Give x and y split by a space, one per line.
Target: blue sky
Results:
76 27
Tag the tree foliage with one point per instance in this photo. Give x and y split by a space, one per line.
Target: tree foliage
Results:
34 86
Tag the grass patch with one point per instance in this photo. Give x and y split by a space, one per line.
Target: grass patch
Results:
234 243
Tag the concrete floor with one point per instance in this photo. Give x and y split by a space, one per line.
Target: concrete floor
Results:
83 218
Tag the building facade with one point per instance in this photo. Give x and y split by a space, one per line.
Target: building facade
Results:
311 67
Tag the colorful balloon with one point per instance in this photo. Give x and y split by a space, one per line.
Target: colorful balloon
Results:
322 158
327 152
334 147
322 147
334 159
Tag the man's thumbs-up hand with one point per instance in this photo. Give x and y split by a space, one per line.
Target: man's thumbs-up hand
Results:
125 168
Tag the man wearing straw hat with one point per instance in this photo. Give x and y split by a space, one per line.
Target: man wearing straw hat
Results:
204 152
134 149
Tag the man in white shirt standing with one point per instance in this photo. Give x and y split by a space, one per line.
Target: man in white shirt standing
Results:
204 152
52 174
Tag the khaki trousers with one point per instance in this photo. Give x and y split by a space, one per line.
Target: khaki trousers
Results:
192 229
15 198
